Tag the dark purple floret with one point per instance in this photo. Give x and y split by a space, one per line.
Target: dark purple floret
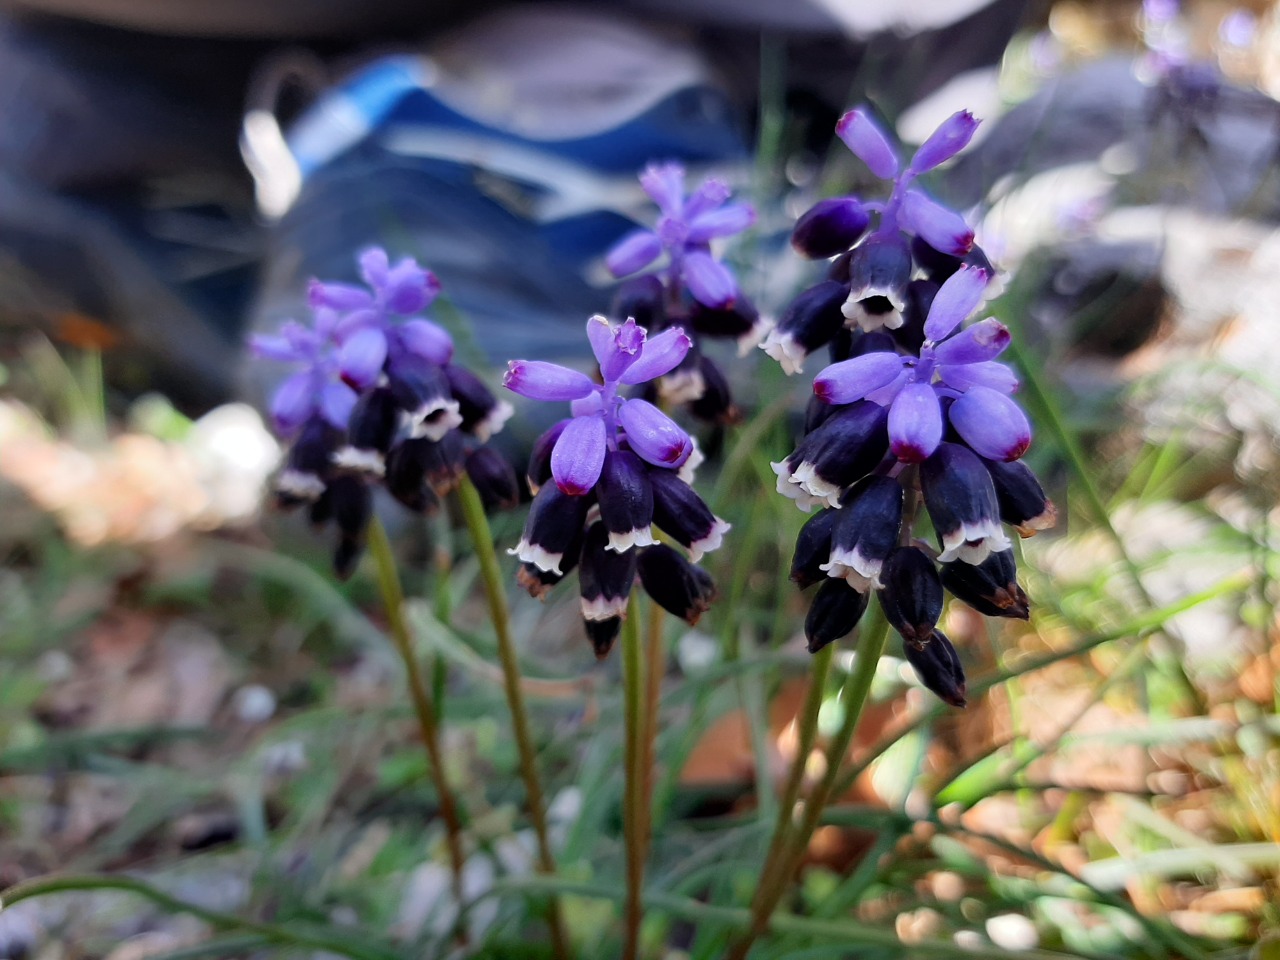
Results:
626 500
830 227
835 611
961 501
938 666
494 478
912 594
681 588
812 320
605 578
1023 504
813 548
990 587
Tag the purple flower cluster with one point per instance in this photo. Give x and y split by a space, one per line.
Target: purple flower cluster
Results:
377 398
688 287
913 401
604 477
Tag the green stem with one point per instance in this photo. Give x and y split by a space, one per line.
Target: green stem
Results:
393 600
807 732
873 635
491 576
655 669
343 944
633 797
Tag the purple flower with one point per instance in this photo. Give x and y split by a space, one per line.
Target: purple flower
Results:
684 231
315 390
624 456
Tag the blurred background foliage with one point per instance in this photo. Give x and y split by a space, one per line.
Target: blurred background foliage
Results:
195 714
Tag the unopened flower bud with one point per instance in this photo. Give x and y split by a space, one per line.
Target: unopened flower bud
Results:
626 500
835 611
830 227
1023 504
811 320
680 513
813 548
938 666
865 533
990 587
681 588
912 594
494 478
961 501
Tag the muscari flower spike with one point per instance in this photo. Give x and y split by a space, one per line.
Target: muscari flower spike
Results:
914 404
685 285
604 477
378 399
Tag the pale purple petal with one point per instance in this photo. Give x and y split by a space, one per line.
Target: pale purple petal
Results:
992 424
578 456
633 252
425 339
985 340
615 347
664 183
539 380
710 281
915 423
661 355
710 194
586 406
884 395
293 402
868 142
357 320
724 222
374 266
362 356
338 296
271 347
942 229
654 435
956 299
952 136
853 379
408 287
336 402
987 373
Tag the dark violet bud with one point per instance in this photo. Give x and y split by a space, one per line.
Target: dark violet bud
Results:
603 634
539 470
941 228
555 522
605 579
848 446
991 423
841 345
641 299
879 271
538 582
680 513
370 431
681 588
1023 504
952 136
869 143
865 533
817 411
626 500
494 478
482 413
715 405
740 322
912 594
438 463
812 319
961 500
422 391
937 665
406 477
835 611
308 466
351 503
990 587
830 227
813 548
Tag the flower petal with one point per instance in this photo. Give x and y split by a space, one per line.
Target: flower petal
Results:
362 356
616 347
868 142
710 282
336 402
664 183
338 296
915 423
830 227
409 287
942 229
293 402
653 435
711 193
992 424
633 252
425 339
987 373
853 379
578 455
271 347
985 340
660 355
539 380
955 300
952 136
724 222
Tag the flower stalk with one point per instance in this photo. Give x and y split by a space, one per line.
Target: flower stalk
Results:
482 540
634 789
423 707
